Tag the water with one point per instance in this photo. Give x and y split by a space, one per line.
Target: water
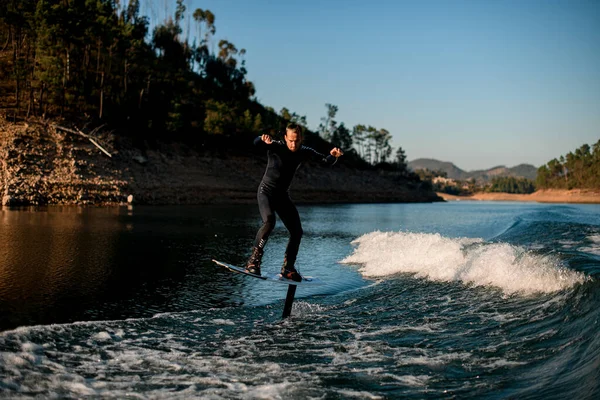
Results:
454 300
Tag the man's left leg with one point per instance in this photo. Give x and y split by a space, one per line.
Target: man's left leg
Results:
288 213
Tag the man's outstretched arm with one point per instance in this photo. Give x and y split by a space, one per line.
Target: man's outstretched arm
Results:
262 140
330 159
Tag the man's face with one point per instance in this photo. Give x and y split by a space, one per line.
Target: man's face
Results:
293 140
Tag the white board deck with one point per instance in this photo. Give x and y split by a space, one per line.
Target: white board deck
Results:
277 278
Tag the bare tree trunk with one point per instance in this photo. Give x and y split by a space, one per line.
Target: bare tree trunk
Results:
101 94
64 81
15 66
98 59
140 101
42 98
31 51
147 90
7 39
66 74
30 102
85 68
17 95
125 77
106 71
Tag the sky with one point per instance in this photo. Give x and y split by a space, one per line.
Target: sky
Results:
479 83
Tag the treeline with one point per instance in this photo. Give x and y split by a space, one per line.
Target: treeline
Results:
505 184
367 143
97 60
511 184
579 170
92 58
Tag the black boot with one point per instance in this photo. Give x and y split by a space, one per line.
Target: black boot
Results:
288 271
253 264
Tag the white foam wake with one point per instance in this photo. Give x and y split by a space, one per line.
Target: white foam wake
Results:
593 247
432 256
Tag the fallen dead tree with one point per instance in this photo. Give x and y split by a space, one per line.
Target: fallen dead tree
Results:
88 137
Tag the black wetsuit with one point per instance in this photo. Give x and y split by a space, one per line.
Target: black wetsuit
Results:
273 192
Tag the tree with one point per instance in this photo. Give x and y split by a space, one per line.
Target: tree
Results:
328 123
580 169
511 184
342 137
383 149
227 51
359 136
292 117
204 19
220 118
285 114
373 144
401 160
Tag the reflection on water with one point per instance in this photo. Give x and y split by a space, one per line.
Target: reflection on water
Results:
64 264
42 254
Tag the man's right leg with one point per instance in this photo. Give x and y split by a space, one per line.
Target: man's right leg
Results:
291 219
268 217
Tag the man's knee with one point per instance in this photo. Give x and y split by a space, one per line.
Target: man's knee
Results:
269 224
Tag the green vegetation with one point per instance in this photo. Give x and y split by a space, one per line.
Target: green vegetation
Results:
96 62
579 170
511 184
92 58
428 175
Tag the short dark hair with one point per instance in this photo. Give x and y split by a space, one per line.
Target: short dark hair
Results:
292 126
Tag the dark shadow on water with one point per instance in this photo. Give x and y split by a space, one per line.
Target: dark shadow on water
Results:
67 264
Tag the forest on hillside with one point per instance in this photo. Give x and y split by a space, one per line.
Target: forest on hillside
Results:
578 170
97 62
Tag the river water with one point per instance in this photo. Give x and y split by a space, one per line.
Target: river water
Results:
450 300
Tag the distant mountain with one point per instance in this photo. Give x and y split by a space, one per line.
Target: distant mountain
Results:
434 165
522 170
525 170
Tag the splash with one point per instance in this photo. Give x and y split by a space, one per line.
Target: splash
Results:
471 261
594 245
594 238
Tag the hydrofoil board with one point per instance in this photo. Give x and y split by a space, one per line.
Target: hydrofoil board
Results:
277 278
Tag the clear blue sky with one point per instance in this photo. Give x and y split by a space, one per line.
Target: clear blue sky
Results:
478 83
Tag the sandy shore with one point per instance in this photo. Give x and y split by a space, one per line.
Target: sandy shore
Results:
541 196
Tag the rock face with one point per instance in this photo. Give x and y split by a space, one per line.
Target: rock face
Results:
40 164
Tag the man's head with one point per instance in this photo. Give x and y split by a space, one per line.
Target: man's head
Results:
293 137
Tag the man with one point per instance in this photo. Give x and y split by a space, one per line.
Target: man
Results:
284 158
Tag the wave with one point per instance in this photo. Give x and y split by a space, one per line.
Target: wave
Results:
511 268
593 246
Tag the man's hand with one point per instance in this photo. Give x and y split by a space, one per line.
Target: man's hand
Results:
336 152
266 138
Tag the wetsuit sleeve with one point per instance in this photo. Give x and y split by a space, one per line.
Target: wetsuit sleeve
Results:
322 158
262 145
258 142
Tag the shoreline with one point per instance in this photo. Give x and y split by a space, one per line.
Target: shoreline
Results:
42 165
574 196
